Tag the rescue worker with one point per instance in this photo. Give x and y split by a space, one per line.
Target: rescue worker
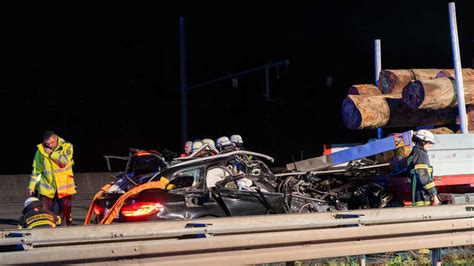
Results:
187 149
209 142
52 175
223 144
215 175
237 141
35 216
211 146
423 188
196 145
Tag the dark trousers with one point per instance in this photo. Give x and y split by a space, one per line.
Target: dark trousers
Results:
63 207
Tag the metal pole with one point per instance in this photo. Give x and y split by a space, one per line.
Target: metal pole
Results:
436 257
182 82
457 68
378 68
267 83
283 62
362 260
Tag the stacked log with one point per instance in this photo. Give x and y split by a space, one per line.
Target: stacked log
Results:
470 118
359 111
392 81
365 112
467 73
410 98
364 89
436 94
441 130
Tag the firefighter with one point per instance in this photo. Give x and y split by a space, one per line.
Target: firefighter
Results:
35 216
187 149
211 149
210 143
52 175
223 144
237 141
196 145
423 188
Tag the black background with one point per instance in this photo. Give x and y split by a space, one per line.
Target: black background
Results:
107 78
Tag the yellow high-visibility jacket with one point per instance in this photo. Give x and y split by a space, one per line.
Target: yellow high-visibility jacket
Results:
53 173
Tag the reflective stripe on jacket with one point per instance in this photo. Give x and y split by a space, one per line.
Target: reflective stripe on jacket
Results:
40 218
421 170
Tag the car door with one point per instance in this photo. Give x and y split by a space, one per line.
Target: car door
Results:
242 202
196 200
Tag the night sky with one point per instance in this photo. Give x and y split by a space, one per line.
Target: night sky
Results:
108 79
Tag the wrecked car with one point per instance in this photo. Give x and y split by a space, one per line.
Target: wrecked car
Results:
228 184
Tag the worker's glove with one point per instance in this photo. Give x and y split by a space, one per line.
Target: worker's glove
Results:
435 200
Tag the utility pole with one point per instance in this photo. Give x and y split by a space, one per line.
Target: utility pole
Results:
182 82
183 88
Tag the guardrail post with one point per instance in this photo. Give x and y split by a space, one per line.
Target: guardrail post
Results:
436 257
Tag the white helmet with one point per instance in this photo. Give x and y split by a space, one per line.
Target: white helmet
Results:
209 142
425 135
196 145
222 141
236 139
30 200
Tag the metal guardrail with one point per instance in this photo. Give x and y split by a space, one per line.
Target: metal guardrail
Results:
251 239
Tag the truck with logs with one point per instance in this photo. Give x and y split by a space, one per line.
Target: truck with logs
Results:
407 98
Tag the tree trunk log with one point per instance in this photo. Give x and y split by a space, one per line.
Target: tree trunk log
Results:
470 118
394 80
436 94
364 89
467 73
441 130
360 112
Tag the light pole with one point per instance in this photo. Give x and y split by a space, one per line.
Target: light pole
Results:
182 81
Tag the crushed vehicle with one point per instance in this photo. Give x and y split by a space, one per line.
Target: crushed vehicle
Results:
228 184
381 173
343 188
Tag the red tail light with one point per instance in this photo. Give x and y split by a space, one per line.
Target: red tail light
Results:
98 210
141 209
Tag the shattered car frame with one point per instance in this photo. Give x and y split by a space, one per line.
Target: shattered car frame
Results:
181 191
345 188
